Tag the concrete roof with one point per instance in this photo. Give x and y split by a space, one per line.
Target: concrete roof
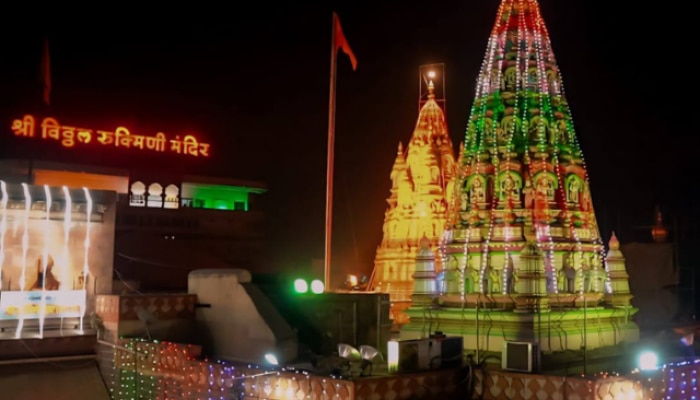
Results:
55 380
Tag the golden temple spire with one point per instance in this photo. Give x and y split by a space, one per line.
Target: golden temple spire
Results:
423 180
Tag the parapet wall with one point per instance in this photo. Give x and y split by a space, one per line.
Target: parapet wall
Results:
148 370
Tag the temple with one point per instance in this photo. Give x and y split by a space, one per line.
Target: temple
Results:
523 259
422 178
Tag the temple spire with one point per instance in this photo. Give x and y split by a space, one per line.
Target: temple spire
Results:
523 236
423 181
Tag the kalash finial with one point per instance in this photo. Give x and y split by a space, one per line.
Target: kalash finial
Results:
614 244
400 151
659 232
431 90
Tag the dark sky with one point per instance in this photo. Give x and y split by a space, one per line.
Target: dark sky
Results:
253 81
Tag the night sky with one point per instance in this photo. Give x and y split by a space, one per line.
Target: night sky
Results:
253 80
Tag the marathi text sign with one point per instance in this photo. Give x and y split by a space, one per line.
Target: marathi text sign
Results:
69 136
35 304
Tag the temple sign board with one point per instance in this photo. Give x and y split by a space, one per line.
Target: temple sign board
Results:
70 136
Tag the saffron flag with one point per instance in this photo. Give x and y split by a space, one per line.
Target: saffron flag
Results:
46 73
341 42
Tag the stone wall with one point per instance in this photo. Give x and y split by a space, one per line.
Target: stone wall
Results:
160 316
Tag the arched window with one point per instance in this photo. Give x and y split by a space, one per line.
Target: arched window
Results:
172 193
155 195
137 197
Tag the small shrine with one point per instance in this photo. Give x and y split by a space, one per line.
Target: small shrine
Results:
522 258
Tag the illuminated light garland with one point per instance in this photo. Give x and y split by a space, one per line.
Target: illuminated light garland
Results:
483 93
45 260
25 249
168 371
150 370
86 254
543 88
67 223
3 226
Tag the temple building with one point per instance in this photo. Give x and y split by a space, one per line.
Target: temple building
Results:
421 179
166 224
523 258
171 216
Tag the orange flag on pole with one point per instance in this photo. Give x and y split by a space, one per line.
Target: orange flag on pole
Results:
341 42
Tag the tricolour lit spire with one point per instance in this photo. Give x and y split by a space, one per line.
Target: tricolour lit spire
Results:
522 240
520 149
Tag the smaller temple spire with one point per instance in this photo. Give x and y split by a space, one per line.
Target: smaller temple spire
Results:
431 90
618 291
614 244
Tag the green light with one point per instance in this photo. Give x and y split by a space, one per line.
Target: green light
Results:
300 286
317 286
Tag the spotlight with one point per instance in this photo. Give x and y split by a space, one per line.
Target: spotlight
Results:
300 286
348 356
271 359
688 340
369 354
351 281
348 352
431 74
317 286
648 361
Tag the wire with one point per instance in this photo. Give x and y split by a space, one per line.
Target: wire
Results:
128 286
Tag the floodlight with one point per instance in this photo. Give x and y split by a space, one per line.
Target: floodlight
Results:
648 361
369 354
317 286
348 352
431 74
688 340
351 281
300 286
271 359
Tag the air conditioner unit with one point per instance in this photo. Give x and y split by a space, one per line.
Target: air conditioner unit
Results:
520 356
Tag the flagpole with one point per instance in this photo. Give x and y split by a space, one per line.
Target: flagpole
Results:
329 162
